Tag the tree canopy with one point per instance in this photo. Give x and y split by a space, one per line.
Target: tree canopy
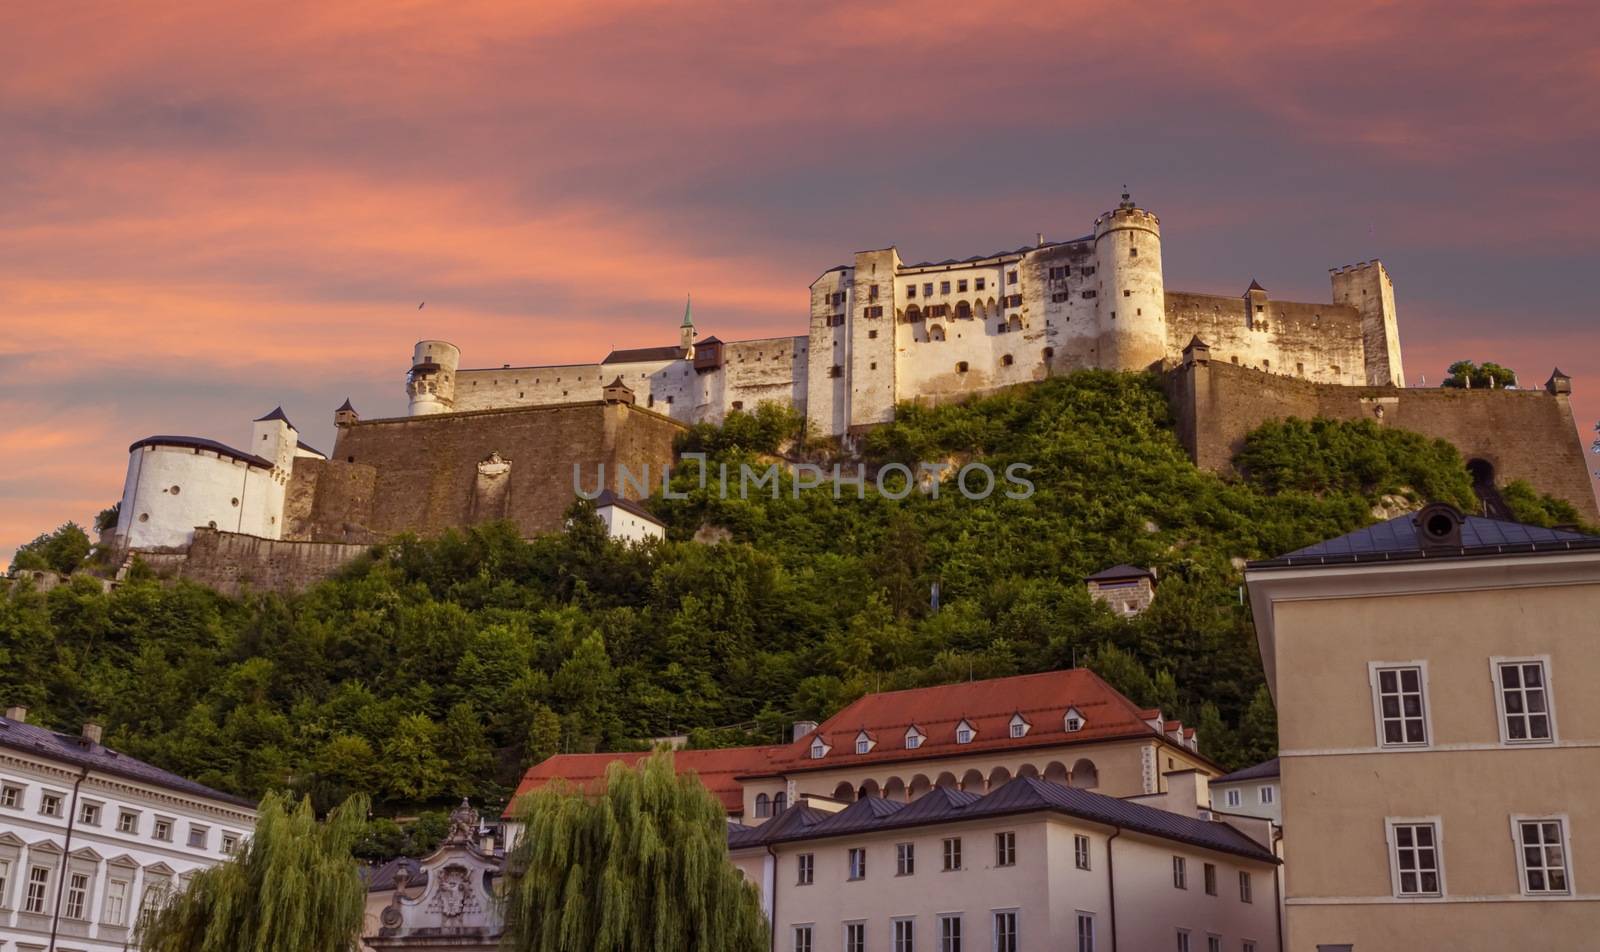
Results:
1465 373
640 867
292 887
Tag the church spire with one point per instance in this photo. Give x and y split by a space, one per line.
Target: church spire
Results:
686 329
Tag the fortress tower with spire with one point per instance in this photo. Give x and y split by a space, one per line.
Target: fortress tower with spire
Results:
883 332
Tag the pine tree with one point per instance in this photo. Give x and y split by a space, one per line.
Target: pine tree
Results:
293 887
640 868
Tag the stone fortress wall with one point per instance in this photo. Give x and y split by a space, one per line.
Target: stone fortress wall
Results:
1520 434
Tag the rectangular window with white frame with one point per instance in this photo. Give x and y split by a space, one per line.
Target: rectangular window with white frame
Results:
38 890
952 854
1246 888
858 863
855 937
1005 930
11 796
1005 849
116 903
905 859
1523 700
77 903
5 881
1416 860
1183 940
1399 703
903 932
1085 932
1542 855
950 932
1233 797
1213 943
1180 873
1080 851
805 866
1267 794
802 938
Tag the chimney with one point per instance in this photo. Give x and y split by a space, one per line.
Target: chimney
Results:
18 714
1188 792
92 732
804 729
1041 239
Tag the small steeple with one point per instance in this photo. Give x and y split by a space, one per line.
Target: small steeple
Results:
686 329
346 414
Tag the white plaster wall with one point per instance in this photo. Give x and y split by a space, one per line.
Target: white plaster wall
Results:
827 396
1131 292
1250 799
624 525
28 838
1045 887
434 393
216 489
764 370
493 389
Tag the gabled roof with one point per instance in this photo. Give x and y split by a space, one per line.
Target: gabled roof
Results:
639 354
609 498
200 443
1119 573
1396 539
302 444
793 821
1262 771
69 748
1255 286
717 769
987 706
1023 795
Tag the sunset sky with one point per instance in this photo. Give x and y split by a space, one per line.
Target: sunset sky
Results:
209 209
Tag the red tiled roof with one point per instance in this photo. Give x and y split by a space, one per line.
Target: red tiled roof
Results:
716 769
1041 699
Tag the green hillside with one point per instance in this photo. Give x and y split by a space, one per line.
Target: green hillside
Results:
440 668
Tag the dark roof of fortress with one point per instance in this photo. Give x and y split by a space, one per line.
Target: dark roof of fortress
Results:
198 443
1397 539
673 352
609 498
31 738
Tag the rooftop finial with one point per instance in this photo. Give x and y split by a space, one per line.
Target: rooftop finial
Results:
1127 199
688 302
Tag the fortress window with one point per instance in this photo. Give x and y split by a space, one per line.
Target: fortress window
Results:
212 523
1006 361
1011 277
872 335
1014 300
1057 274
174 490
236 498
927 289
738 404
144 517
961 286
1133 252
1088 270
944 287
1060 296
1266 365
669 401
836 371
1127 293
874 365
1089 294
1049 352
1300 369
1236 361
911 290
872 292
961 367
978 283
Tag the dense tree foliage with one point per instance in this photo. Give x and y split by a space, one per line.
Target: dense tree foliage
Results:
642 867
291 888
61 551
1465 373
435 669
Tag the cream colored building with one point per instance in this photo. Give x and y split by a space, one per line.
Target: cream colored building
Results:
1439 734
1251 791
1031 865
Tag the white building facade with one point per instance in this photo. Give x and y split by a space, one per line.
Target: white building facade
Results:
89 837
882 331
176 484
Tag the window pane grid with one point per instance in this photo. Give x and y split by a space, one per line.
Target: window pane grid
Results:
1522 693
1417 859
1544 857
1005 932
1400 706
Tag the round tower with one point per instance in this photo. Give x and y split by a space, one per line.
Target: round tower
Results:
431 384
1131 294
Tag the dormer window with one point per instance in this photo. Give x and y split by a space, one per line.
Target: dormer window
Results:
819 750
1019 726
1073 722
914 738
964 733
863 742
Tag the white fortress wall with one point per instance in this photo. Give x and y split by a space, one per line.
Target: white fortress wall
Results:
172 489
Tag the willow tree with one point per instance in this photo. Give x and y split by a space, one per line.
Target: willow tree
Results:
640 867
292 887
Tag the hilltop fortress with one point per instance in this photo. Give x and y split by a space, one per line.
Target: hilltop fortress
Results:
883 332
501 443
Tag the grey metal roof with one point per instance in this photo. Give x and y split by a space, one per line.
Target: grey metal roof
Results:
79 752
276 414
673 352
382 878
1023 795
609 498
1396 539
1118 572
1261 771
201 443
